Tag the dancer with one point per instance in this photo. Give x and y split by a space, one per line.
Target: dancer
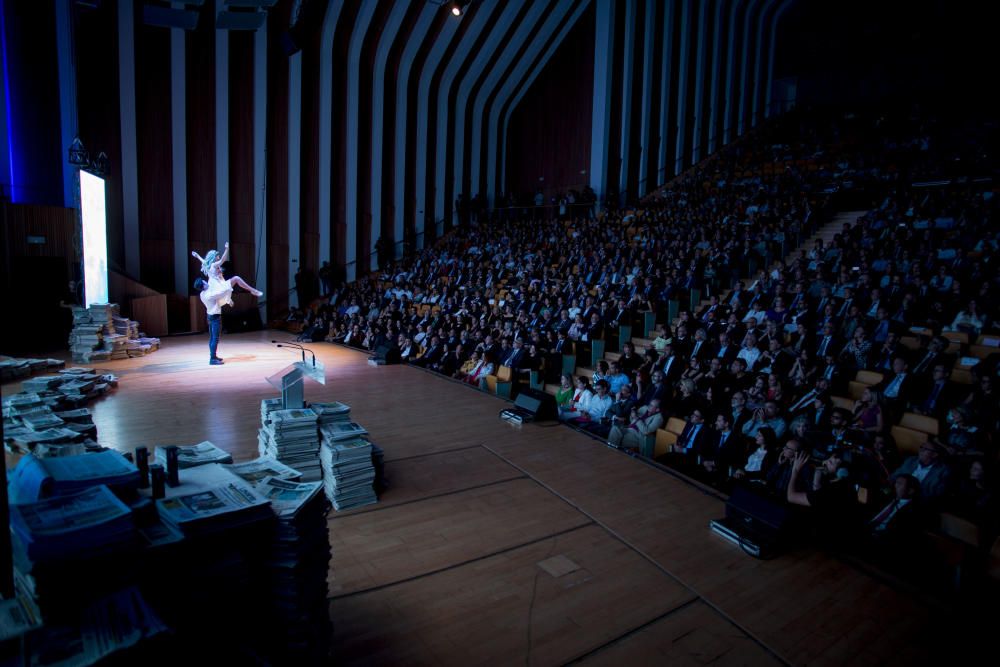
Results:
217 292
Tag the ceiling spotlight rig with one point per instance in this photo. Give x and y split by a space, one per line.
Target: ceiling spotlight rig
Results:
456 7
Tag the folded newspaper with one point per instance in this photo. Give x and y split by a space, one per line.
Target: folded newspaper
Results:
262 468
286 497
195 455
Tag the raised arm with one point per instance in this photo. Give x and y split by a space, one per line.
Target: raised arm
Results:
217 264
201 260
793 495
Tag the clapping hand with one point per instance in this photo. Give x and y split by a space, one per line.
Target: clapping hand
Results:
800 461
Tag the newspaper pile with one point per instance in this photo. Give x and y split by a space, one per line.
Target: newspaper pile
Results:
64 528
100 334
14 369
211 499
47 422
348 473
291 437
112 623
300 563
196 455
35 478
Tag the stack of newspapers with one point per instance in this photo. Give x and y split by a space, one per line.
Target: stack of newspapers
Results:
13 369
261 468
348 473
35 478
291 437
101 334
267 406
299 563
32 424
195 455
87 523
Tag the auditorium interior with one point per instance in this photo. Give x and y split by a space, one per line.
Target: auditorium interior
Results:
496 331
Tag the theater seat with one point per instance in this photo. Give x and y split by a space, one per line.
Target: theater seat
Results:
919 423
869 377
664 441
908 440
675 425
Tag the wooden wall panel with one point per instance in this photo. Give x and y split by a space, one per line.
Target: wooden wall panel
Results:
549 131
199 47
153 141
243 248
277 163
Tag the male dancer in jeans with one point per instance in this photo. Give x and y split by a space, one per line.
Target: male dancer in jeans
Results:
214 308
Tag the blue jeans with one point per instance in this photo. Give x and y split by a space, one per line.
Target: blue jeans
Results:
214 329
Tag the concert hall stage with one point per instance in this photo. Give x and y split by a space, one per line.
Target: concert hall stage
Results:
497 544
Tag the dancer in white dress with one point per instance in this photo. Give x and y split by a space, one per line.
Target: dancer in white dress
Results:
217 292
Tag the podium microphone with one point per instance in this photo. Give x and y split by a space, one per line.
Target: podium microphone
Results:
296 346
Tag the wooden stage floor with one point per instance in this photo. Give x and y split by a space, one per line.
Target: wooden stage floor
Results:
537 545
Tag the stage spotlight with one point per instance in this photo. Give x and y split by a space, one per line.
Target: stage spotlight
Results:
458 7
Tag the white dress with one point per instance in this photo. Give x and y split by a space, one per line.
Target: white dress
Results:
219 291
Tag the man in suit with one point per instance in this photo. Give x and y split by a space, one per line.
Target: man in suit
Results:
930 470
935 399
896 387
720 449
643 421
827 342
725 349
670 363
694 438
701 349
657 389
516 357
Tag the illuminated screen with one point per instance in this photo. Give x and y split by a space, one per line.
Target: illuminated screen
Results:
95 239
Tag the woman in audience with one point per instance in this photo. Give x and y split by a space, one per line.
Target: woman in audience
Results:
581 398
975 495
868 411
564 395
968 321
759 460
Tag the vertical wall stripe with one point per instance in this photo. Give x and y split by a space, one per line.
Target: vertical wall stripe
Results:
353 84
386 40
604 49
486 59
221 132
417 36
493 81
682 68
482 20
294 169
501 106
129 158
67 96
325 125
525 84
626 96
773 35
260 159
666 66
744 66
713 103
178 155
758 78
423 106
645 138
727 120
699 82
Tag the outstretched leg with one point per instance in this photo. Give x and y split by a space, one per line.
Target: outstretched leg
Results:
236 280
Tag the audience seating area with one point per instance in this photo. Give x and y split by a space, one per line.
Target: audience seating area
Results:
852 358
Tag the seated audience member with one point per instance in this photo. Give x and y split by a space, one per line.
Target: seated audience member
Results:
721 450
618 414
767 416
929 468
935 399
616 378
596 406
759 459
693 438
642 421
564 395
778 475
578 404
832 497
975 496
961 438
868 412
895 530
